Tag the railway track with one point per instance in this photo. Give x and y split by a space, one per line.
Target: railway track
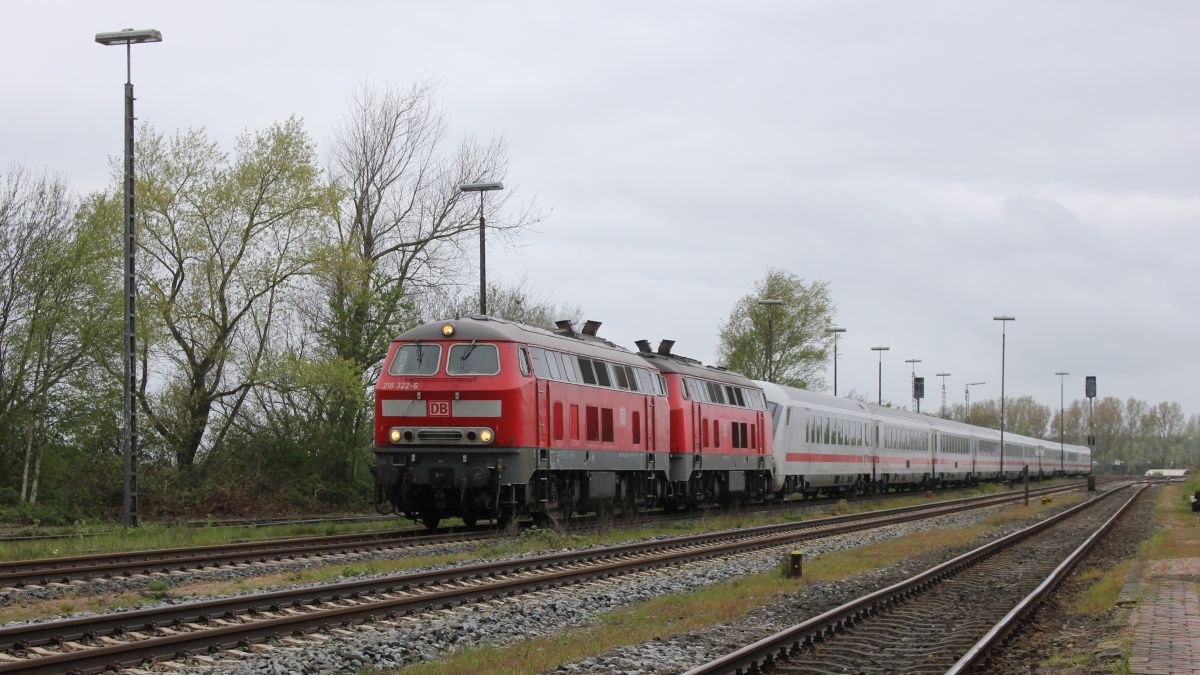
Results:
75 570
933 621
92 644
163 562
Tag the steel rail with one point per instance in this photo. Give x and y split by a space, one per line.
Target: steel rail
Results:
549 571
978 653
764 652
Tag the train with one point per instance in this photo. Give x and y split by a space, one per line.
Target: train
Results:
482 418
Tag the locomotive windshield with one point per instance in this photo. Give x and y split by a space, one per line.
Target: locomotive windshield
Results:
416 360
473 359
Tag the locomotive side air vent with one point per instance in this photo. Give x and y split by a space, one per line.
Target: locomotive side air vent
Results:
564 327
664 347
643 345
590 327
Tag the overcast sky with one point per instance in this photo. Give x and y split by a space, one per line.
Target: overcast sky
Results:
937 162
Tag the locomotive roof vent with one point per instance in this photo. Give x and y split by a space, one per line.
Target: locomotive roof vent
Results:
664 347
564 327
643 345
590 327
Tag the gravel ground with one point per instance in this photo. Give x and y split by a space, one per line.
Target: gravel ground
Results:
429 636
682 651
224 573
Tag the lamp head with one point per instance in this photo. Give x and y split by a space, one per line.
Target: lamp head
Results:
480 187
129 36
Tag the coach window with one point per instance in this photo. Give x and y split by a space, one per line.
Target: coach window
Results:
552 366
645 384
538 356
416 360
585 369
662 384
729 397
566 366
683 388
622 378
602 377
523 361
631 375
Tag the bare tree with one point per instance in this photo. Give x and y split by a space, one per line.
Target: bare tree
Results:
401 230
220 242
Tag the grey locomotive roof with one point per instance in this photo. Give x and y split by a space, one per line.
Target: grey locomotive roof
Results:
672 363
481 327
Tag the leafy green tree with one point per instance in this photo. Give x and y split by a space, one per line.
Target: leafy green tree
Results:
796 331
222 243
1025 416
52 270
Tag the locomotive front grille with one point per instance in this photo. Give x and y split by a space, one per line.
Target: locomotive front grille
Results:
440 435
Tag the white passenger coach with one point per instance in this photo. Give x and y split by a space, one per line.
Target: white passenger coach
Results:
832 445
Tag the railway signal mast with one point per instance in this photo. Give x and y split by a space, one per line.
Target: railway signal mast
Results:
943 376
913 383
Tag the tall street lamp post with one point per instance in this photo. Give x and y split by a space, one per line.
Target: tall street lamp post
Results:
482 188
943 376
881 350
967 398
770 304
835 330
1003 340
1062 414
912 382
129 439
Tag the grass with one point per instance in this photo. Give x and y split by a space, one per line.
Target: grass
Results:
168 536
1178 536
695 610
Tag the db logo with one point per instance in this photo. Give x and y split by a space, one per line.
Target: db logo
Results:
439 408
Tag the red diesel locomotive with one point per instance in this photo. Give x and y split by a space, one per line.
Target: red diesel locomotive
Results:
484 418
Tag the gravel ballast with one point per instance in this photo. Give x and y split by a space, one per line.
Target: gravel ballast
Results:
430 636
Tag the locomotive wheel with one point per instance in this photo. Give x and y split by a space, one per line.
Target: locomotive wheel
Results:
431 522
470 521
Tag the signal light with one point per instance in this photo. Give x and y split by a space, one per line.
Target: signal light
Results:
448 329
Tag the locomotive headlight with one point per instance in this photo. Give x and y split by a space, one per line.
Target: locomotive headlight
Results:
448 329
394 434
486 436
